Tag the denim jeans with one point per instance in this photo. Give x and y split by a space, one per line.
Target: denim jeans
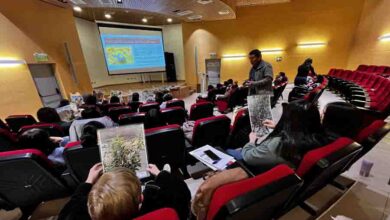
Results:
235 153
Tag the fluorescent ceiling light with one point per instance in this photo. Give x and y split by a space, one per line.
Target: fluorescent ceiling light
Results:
77 8
385 37
233 56
311 44
224 12
272 51
5 62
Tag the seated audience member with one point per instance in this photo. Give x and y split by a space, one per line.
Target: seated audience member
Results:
134 103
211 93
63 102
304 70
280 80
114 100
167 97
89 134
89 114
50 115
341 119
117 195
39 139
100 97
299 130
158 97
153 119
90 100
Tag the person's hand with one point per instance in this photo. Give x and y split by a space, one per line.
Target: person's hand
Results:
252 137
56 139
94 173
152 169
269 124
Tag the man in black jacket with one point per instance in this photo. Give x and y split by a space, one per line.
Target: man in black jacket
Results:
103 196
304 70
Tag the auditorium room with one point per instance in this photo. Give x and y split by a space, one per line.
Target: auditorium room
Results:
194 109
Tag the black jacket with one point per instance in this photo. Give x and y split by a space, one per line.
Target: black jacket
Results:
303 70
166 190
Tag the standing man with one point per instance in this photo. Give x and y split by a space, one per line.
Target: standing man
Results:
260 76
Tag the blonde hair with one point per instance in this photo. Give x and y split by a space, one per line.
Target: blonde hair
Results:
115 196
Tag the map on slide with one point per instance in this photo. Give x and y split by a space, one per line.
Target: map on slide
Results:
119 55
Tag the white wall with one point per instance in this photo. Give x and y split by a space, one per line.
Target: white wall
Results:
94 57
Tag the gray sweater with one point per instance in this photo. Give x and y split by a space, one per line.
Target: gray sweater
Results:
264 154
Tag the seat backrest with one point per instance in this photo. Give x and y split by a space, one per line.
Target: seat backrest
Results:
380 69
7 140
371 69
201 110
259 197
320 166
241 129
15 122
27 178
164 213
53 129
115 112
212 131
131 118
371 135
3 125
173 115
176 103
105 107
79 160
166 145
362 68
148 106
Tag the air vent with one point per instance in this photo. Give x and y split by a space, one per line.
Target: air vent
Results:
107 2
224 12
195 17
184 13
205 2
78 2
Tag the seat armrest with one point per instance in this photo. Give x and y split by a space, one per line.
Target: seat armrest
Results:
358 103
358 97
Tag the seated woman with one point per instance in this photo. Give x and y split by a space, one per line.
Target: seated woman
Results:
117 195
50 115
89 134
40 139
298 131
115 100
341 119
134 103
167 97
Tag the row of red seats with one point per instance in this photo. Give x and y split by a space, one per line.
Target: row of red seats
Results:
374 69
363 89
30 179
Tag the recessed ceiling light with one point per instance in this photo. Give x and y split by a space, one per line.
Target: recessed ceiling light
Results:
119 1
205 2
169 20
77 8
108 16
224 12
144 20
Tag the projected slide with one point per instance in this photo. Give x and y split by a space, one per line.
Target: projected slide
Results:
133 53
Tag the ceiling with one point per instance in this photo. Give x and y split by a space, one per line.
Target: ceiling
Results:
158 11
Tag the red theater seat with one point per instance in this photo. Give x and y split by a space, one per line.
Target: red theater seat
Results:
134 106
15 122
105 107
213 131
239 134
148 106
3 125
174 115
201 110
53 129
79 159
163 214
166 145
176 103
260 197
131 118
115 112
8 141
27 178
362 68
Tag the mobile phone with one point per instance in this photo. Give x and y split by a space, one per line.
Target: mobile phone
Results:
212 155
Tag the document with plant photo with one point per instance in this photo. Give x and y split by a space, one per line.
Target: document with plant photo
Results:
259 107
124 146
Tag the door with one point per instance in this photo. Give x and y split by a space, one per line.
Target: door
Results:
213 71
46 83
